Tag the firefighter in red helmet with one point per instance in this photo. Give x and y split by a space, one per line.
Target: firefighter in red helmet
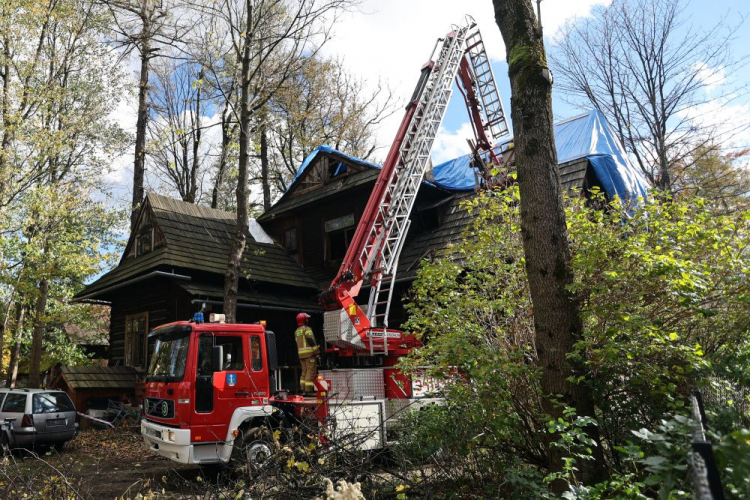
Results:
308 353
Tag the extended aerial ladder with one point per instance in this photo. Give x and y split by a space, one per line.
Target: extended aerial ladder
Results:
379 238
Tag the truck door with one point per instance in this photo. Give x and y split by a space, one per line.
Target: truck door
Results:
233 382
258 372
204 387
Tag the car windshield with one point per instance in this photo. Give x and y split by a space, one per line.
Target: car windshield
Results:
169 358
52 402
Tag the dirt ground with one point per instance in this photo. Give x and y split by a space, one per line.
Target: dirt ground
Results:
113 464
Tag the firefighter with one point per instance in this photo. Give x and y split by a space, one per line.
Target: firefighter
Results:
308 353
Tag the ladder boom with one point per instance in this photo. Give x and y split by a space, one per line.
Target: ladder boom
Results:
379 238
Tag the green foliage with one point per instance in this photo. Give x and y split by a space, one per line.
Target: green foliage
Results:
60 87
662 456
574 441
664 293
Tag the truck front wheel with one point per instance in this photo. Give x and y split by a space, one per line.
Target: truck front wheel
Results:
255 451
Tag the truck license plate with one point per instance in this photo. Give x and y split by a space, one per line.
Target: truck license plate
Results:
152 432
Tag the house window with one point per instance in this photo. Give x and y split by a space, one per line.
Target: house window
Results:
136 345
339 233
144 241
290 240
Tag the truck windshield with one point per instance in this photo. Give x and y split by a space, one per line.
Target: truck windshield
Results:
169 358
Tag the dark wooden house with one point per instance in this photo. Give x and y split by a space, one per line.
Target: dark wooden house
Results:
174 263
175 259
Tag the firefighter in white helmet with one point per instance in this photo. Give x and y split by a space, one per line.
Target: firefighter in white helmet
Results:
308 351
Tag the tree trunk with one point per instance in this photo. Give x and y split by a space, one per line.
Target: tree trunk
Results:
226 139
5 108
35 362
557 320
196 142
265 176
139 164
3 327
232 275
16 351
664 182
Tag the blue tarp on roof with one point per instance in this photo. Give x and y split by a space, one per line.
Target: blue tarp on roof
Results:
328 149
590 136
586 136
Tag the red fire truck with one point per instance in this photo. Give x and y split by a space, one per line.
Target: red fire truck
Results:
212 387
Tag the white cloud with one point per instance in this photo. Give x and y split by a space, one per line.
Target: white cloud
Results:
449 145
727 119
712 77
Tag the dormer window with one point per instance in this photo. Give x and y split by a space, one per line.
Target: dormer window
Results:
144 241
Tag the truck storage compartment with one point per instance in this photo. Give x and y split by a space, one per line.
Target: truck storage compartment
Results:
355 383
359 424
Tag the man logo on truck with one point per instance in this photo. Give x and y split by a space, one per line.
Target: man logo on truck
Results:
164 408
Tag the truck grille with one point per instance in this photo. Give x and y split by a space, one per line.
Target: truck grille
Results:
160 408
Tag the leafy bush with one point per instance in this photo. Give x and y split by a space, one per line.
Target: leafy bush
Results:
664 292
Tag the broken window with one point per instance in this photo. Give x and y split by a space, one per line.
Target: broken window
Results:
144 241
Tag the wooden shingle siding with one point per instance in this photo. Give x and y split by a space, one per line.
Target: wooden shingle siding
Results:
572 174
95 377
430 242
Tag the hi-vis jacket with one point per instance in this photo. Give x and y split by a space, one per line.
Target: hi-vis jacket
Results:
306 347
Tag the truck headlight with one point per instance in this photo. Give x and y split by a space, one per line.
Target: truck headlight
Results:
170 436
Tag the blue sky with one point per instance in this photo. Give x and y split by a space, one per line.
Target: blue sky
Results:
702 14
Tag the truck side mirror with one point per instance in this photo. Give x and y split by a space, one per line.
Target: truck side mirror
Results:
217 358
273 359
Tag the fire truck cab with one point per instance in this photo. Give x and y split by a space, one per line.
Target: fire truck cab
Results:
206 381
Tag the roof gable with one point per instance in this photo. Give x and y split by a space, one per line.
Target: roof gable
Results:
323 165
144 224
323 172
